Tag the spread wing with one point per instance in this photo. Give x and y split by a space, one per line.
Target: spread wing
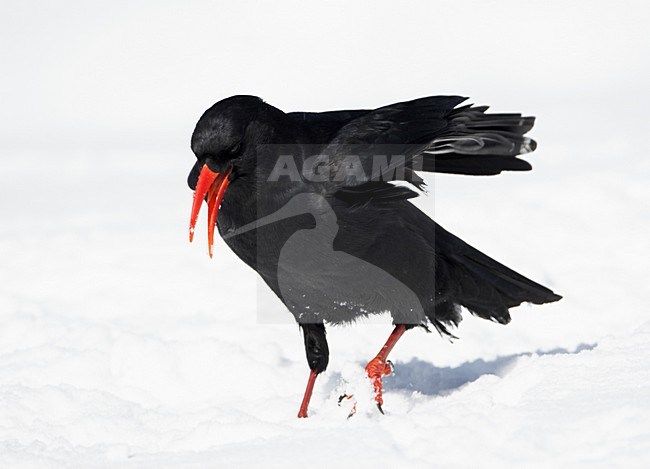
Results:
428 134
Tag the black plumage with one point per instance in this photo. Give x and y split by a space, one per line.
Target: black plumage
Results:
309 201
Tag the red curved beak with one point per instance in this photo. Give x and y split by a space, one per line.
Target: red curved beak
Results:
213 185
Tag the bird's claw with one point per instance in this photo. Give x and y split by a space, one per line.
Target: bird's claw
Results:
354 406
344 396
376 369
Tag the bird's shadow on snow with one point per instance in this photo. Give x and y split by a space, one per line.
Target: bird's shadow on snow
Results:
425 378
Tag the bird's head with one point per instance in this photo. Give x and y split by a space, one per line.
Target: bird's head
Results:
219 138
225 142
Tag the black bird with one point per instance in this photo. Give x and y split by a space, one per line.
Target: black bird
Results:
309 201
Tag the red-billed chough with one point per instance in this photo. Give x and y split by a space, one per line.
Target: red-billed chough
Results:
317 204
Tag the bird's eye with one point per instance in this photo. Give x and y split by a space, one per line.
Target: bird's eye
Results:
234 150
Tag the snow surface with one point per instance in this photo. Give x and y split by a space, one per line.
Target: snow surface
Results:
122 345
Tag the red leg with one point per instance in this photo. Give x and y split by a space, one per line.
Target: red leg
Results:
302 413
378 366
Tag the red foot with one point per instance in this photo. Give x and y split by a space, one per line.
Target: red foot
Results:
379 367
376 369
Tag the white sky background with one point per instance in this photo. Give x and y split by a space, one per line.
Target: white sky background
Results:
142 72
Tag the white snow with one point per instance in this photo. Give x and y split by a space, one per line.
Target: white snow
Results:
122 345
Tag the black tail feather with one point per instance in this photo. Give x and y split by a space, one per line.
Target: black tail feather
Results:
489 289
484 286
